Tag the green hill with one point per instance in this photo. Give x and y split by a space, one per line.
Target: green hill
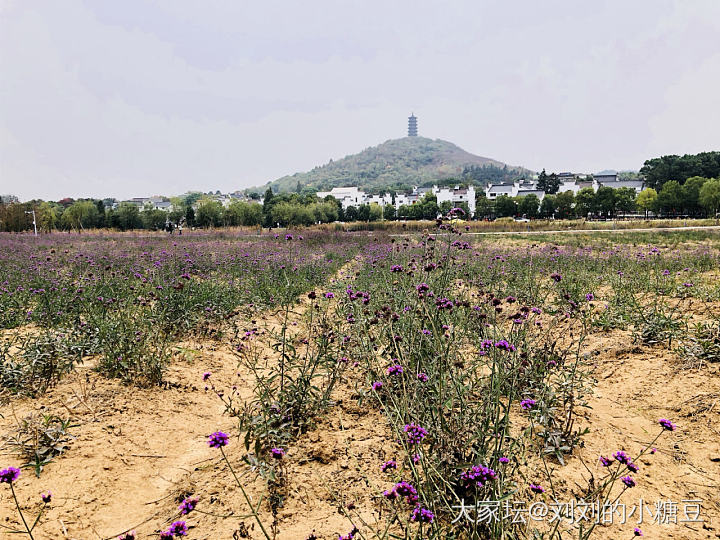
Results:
399 164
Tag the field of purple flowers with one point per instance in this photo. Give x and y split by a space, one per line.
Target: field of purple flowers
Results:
316 385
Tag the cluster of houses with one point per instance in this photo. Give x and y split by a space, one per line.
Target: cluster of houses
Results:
353 196
568 182
164 203
456 195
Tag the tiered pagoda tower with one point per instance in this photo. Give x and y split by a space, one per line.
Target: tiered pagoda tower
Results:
412 125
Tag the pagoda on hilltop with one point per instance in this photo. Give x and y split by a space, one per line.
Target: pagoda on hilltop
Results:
412 125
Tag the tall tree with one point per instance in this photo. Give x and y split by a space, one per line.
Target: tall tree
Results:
670 198
625 199
710 196
691 194
565 204
548 183
268 202
529 205
505 206
646 200
585 201
547 206
605 200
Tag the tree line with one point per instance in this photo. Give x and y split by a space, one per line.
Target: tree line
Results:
658 171
696 197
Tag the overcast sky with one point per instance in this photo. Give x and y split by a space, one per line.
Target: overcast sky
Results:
135 98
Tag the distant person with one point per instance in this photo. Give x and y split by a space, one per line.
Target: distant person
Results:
179 230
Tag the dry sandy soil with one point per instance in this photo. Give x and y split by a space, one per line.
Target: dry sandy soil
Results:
138 452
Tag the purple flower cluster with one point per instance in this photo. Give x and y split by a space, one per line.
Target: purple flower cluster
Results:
218 439
396 268
390 464
9 475
350 535
188 505
477 476
422 515
667 424
527 404
277 453
177 528
622 457
377 385
628 481
395 369
415 433
536 488
503 345
402 489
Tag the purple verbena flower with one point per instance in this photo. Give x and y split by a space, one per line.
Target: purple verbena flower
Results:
178 528
46 497
527 404
667 424
188 505
9 475
422 377
537 488
390 464
503 345
390 494
477 476
621 457
350 535
277 453
395 369
404 489
628 481
605 462
415 433
422 515
218 439
377 385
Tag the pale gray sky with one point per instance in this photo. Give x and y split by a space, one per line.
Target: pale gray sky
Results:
134 98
